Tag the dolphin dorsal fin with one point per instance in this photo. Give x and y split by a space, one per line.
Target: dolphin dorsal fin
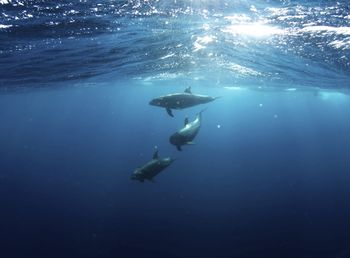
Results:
186 121
155 154
188 90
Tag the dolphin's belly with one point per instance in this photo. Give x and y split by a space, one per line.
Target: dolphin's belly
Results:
190 132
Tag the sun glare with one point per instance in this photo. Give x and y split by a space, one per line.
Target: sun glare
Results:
253 30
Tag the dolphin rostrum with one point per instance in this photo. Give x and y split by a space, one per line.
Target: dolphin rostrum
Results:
186 134
151 168
180 100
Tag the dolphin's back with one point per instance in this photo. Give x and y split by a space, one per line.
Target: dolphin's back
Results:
153 168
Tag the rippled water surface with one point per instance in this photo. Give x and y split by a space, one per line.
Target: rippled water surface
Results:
305 43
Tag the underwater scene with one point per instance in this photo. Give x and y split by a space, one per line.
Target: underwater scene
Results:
174 129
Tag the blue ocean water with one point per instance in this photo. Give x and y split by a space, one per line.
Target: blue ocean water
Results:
268 176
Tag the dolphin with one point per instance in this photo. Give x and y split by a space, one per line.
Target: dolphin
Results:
151 168
186 134
180 100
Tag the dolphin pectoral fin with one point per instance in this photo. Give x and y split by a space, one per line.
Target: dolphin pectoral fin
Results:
170 113
190 143
155 154
178 147
188 90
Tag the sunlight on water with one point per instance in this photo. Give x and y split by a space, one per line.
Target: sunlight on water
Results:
253 30
263 41
333 96
2 26
327 30
242 70
202 41
236 88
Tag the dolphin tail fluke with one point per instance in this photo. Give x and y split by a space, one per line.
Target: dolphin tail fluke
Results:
170 112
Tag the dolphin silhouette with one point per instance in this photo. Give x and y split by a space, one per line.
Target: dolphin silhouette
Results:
186 134
151 168
180 100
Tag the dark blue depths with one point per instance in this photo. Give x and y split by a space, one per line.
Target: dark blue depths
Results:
268 176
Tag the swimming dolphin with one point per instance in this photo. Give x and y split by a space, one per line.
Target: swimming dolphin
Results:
151 168
186 134
180 100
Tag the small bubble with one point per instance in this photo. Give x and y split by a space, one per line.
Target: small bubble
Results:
219 126
260 105
275 116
